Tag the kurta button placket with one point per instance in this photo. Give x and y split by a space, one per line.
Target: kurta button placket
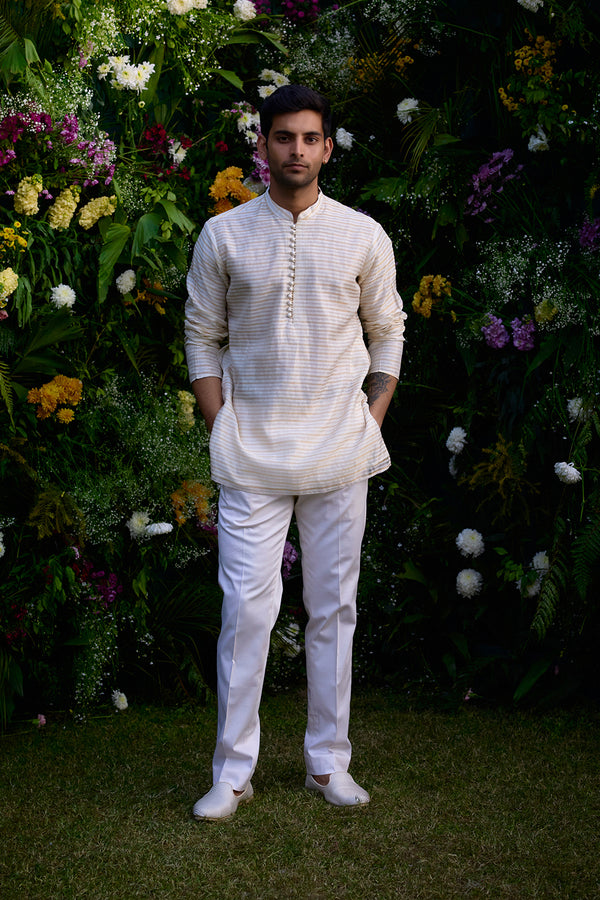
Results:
292 275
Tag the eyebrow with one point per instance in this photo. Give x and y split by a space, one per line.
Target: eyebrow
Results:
283 131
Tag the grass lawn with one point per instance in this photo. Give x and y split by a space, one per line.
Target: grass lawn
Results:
475 804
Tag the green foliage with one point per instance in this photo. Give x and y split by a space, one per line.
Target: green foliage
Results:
497 199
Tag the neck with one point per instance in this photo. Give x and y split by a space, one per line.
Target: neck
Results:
294 201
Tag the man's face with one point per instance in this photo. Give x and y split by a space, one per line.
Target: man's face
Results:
296 148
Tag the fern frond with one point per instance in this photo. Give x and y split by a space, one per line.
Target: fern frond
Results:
554 584
586 554
6 391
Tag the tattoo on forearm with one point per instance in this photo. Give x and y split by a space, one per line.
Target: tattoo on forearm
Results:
377 384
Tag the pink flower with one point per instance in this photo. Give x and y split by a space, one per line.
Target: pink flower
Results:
41 720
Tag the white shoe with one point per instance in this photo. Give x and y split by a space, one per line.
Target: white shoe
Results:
342 790
220 802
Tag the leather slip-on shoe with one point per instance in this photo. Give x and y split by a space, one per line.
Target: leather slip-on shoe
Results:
220 802
342 790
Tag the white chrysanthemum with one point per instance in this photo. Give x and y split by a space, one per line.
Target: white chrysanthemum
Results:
62 295
126 281
137 525
120 700
244 10
103 70
468 582
158 528
179 7
135 78
344 139
2 547
531 5
279 79
265 90
406 108
567 472
538 142
532 589
178 153
540 562
268 75
577 410
470 542
456 440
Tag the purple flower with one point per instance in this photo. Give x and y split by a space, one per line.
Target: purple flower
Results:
70 129
490 180
523 332
495 333
589 234
290 555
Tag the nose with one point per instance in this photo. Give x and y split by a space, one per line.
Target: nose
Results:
296 148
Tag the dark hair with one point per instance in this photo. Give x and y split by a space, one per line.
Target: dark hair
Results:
294 98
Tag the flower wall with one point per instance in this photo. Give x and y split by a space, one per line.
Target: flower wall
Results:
471 132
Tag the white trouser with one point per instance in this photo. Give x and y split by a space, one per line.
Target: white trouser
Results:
252 533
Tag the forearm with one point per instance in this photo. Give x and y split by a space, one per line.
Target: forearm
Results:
209 396
380 390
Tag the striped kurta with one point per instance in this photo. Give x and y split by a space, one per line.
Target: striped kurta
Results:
277 309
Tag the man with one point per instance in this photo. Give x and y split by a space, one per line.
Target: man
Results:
290 279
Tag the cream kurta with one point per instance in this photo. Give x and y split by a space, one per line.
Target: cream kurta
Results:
292 300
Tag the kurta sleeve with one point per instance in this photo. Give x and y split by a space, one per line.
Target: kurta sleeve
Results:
206 308
381 309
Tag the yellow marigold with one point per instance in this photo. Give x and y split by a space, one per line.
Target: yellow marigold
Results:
191 497
65 415
545 311
63 391
185 412
156 301
96 209
228 183
63 208
9 281
26 195
432 288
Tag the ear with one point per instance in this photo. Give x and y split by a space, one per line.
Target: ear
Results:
328 149
261 146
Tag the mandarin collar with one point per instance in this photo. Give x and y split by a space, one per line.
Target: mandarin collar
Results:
282 213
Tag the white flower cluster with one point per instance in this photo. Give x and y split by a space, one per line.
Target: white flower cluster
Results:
275 80
2 547
541 565
126 281
62 296
406 108
531 5
538 141
140 527
344 139
567 473
244 10
456 440
177 152
577 410
469 583
119 700
470 542
126 75
181 7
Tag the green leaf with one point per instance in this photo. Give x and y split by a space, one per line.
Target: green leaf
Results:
175 216
114 244
13 60
31 54
231 77
148 227
537 669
